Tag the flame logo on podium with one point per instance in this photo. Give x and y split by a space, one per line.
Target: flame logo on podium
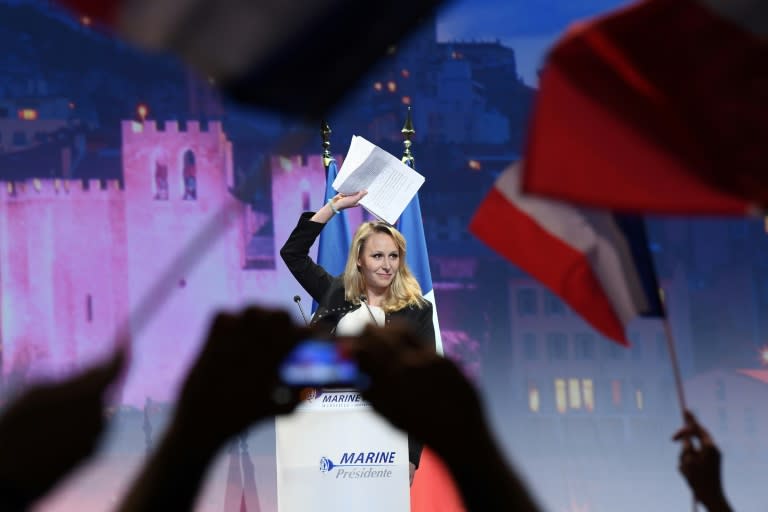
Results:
326 464
309 394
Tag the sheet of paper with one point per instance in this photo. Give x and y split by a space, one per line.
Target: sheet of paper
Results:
392 189
390 183
359 150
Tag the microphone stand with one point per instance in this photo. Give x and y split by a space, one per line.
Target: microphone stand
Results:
364 300
297 300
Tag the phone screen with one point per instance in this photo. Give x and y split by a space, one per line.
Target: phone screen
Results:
318 362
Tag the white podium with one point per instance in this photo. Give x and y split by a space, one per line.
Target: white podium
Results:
335 453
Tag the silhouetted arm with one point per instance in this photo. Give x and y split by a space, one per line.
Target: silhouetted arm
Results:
49 430
230 387
427 396
700 465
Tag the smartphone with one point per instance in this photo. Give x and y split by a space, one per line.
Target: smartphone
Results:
319 363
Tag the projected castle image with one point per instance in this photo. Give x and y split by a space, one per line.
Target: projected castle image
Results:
132 196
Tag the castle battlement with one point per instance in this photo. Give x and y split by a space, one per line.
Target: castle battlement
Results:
59 189
135 130
296 163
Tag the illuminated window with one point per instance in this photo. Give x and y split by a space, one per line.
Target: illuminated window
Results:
533 398
142 111
85 20
405 73
286 164
560 398
28 114
406 100
639 399
574 394
589 394
616 392
377 86
391 86
475 165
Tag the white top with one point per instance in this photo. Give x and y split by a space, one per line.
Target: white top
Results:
355 321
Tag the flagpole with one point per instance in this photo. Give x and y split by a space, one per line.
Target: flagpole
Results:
673 356
408 131
325 133
675 369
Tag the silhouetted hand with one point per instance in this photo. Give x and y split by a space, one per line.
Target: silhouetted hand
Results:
700 464
49 430
232 384
427 396
417 390
234 381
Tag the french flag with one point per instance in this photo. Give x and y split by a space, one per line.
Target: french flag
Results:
596 261
673 123
417 258
433 489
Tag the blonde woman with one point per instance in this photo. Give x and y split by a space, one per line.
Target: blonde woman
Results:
376 272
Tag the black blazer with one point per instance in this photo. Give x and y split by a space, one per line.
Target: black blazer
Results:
328 292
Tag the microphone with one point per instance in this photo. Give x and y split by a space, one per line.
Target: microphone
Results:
297 300
364 300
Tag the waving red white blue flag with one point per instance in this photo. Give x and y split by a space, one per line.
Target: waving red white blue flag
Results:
596 261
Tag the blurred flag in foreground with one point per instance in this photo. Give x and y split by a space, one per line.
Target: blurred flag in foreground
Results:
596 261
673 123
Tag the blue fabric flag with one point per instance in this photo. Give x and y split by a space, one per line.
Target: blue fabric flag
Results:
411 226
333 245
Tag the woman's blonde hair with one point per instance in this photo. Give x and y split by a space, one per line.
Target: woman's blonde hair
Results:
403 291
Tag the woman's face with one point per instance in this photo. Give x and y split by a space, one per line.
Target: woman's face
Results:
379 260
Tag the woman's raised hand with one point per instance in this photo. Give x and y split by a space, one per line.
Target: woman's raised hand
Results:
342 202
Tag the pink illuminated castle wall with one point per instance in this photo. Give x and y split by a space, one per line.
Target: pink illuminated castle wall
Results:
78 260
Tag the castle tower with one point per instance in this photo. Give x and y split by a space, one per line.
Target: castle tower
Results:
298 185
185 245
